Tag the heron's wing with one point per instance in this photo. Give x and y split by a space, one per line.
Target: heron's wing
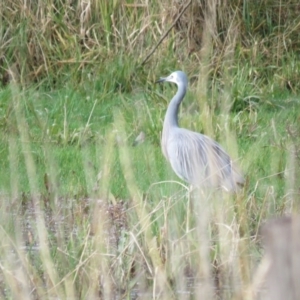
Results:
223 166
200 160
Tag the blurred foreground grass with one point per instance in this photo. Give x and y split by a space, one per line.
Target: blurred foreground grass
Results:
85 212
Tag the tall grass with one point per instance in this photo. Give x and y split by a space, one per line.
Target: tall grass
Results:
61 41
84 213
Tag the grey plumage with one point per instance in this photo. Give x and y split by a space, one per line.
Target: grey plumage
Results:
194 157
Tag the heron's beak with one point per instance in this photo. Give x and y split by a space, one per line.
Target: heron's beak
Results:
162 79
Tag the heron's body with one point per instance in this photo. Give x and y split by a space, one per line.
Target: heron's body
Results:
194 157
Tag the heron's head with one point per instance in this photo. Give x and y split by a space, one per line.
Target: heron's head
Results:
177 77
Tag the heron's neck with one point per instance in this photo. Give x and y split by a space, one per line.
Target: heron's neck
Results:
171 118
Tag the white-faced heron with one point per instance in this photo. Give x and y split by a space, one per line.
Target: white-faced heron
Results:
194 157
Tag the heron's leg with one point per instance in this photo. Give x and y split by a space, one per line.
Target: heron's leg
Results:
188 212
189 208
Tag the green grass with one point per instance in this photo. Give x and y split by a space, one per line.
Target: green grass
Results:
69 124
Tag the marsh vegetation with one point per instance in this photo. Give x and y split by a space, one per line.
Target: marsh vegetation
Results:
84 213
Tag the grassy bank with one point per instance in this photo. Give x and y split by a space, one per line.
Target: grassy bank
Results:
85 214
102 205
